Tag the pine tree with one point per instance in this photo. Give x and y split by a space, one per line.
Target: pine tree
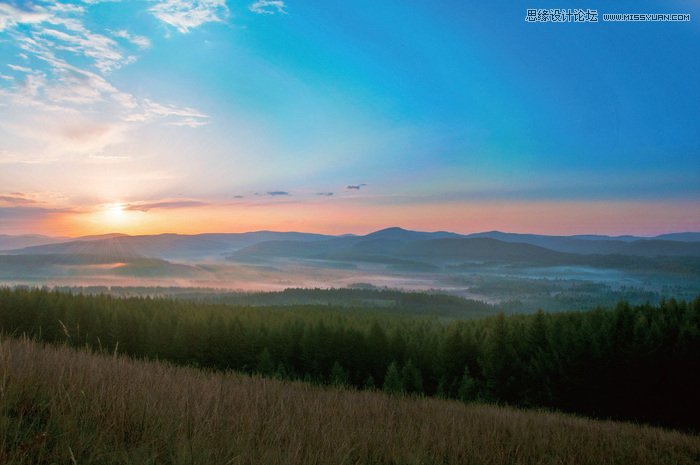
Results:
411 378
392 381
370 385
498 362
265 365
338 376
467 386
442 390
537 333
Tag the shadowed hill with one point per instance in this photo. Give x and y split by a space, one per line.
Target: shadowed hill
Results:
400 234
386 242
166 246
683 236
481 249
667 245
64 406
17 242
82 265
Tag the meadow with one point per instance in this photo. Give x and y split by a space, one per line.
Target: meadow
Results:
636 363
67 406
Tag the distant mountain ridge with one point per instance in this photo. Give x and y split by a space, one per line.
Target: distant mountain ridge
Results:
394 242
164 246
8 242
595 245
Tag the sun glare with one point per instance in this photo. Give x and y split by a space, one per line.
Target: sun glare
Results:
115 214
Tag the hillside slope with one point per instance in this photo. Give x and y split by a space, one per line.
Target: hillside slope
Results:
62 406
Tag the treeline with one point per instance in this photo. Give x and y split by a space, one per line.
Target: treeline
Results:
638 363
414 302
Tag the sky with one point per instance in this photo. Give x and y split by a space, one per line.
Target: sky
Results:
192 116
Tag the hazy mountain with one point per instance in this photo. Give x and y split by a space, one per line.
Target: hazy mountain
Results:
400 234
42 266
403 250
28 240
480 249
96 237
165 246
599 237
658 247
384 243
281 249
557 243
120 246
398 252
682 237
394 246
603 245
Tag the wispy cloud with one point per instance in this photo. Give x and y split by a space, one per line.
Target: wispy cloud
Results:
183 116
168 204
24 213
185 15
277 193
268 7
8 158
16 198
62 95
141 42
21 69
325 194
33 198
109 158
11 16
356 187
75 38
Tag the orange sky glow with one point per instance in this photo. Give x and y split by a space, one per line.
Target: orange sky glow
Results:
613 218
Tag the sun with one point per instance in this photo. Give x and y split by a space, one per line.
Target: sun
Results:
115 214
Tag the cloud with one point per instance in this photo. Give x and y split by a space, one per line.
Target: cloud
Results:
268 7
184 15
61 30
168 204
95 2
65 100
183 116
239 196
33 83
11 16
356 187
7 158
61 130
325 194
277 193
109 158
27 213
16 198
22 69
140 41
75 38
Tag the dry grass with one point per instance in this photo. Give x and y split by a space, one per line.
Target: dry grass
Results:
61 406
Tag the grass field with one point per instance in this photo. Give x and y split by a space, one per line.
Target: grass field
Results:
61 406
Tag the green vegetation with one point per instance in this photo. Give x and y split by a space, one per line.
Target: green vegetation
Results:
637 363
358 296
61 406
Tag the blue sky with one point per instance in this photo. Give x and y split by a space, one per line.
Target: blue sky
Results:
462 105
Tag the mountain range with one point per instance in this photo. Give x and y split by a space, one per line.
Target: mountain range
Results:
394 249
396 242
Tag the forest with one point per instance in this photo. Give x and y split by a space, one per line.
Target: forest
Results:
636 363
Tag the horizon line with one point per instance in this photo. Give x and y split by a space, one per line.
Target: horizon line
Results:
493 231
